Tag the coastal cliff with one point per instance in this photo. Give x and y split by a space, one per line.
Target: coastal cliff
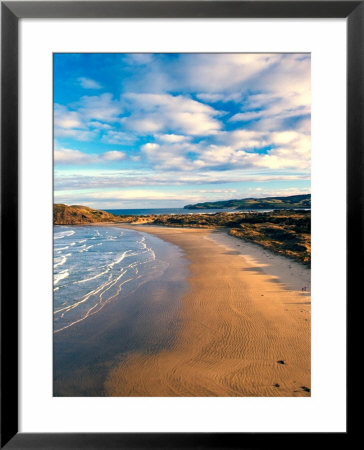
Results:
77 214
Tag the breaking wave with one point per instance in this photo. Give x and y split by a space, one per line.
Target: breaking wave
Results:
96 265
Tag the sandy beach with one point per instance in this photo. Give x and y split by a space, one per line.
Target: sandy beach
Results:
243 328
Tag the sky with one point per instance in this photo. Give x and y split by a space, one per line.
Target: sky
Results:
166 130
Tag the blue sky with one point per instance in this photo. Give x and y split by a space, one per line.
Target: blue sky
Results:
164 130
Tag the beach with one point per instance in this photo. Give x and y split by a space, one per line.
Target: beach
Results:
243 327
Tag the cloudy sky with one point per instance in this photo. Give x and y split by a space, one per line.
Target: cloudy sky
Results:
164 130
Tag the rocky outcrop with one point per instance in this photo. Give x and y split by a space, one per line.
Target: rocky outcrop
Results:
76 214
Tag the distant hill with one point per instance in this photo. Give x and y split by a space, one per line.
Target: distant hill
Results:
290 202
76 214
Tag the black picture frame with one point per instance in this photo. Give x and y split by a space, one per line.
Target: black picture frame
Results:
11 12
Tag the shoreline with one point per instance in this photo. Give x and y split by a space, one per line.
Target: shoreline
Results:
244 325
215 227
144 319
293 274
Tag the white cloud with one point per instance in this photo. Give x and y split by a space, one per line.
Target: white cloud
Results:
84 120
235 149
283 158
101 108
224 72
63 118
210 98
99 125
275 109
246 116
67 119
85 178
145 194
214 98
278 85
264 192
223 77
243 139
79 135
114 155
76 157
153 113
218 191
172 138
117 137
284 92
68 156
149 146
139 58
171 156
70 124
88 83
125 194
203 73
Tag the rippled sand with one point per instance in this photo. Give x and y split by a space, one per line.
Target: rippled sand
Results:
243 329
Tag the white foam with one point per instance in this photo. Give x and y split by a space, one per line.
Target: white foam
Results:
62 248
61 260
117 261
61 276
85 249
63 234
109 276
108 268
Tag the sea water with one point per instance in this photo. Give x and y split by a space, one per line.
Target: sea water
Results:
162 211
174 211
97 265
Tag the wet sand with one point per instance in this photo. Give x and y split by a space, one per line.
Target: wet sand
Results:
243 328
145 320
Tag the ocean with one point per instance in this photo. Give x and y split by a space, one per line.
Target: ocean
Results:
161 211
95 265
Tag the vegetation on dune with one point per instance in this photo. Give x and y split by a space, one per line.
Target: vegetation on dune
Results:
286 232
288 236
290 202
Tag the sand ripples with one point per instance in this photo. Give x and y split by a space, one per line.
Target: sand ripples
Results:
235 327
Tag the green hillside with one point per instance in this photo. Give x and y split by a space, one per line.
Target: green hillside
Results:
290 202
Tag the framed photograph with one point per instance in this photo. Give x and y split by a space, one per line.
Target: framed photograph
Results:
163 165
